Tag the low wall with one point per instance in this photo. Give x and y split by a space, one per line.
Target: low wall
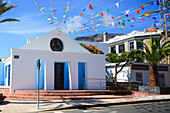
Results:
155 90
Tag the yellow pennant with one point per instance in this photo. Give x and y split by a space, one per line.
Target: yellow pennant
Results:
103 20
67 9
107 26
96 15
146 14
42 8
119 17
122 27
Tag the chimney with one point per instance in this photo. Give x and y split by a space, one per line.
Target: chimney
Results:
104 36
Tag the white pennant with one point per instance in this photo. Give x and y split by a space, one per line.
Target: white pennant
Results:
117 4
127 12
113 24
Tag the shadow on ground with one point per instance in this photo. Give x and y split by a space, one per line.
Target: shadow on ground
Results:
5 102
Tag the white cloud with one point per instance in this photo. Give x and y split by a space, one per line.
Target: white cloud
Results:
28 24
77 22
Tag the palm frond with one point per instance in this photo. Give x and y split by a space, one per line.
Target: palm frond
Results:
6 8
8 20
151 12
149 3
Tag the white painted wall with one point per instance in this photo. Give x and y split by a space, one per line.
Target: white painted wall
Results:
124 75
128 74
43 43
23 69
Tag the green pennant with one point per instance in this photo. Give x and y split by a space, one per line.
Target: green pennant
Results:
121 13
123 24
128 20
123 20
108 10
47 16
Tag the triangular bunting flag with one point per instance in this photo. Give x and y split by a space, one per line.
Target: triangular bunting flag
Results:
122 27
117 4
128 20
141 6
113 24
90 6
96 15
108 10
133 18
112 17
138 11
118 23
102 13
127 12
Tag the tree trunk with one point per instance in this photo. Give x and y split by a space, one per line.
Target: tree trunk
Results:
154 79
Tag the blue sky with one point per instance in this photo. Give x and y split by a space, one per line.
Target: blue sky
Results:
33 23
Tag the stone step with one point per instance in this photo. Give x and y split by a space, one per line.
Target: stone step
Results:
51 94
42 98
62 91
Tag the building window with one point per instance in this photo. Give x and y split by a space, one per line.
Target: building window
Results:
140 67
139 77
131 46
121 48
113 49
139 45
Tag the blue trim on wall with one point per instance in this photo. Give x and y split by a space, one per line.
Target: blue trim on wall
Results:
41 77
5 75
9 74
1 73
81 74
66 74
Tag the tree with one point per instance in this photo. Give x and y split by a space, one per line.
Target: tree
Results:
3 9
125 58
154 56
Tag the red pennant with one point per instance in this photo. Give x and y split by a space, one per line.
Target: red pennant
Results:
138 11
149 16
90 6
112 17
168 14
141 6
102 13
54 13
133 18
81 14
115 24
118 23
143 19
88 20
81 29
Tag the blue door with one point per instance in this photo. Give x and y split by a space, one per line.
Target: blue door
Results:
81 75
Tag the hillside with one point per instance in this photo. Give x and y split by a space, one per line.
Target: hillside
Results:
96 37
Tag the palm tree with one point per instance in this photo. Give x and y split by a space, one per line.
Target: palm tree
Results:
154 56
3 9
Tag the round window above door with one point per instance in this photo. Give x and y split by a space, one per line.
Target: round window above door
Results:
56 44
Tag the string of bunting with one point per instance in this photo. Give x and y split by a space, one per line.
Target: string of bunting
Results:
97 22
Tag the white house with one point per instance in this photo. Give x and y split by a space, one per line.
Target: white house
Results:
64 65
138 72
